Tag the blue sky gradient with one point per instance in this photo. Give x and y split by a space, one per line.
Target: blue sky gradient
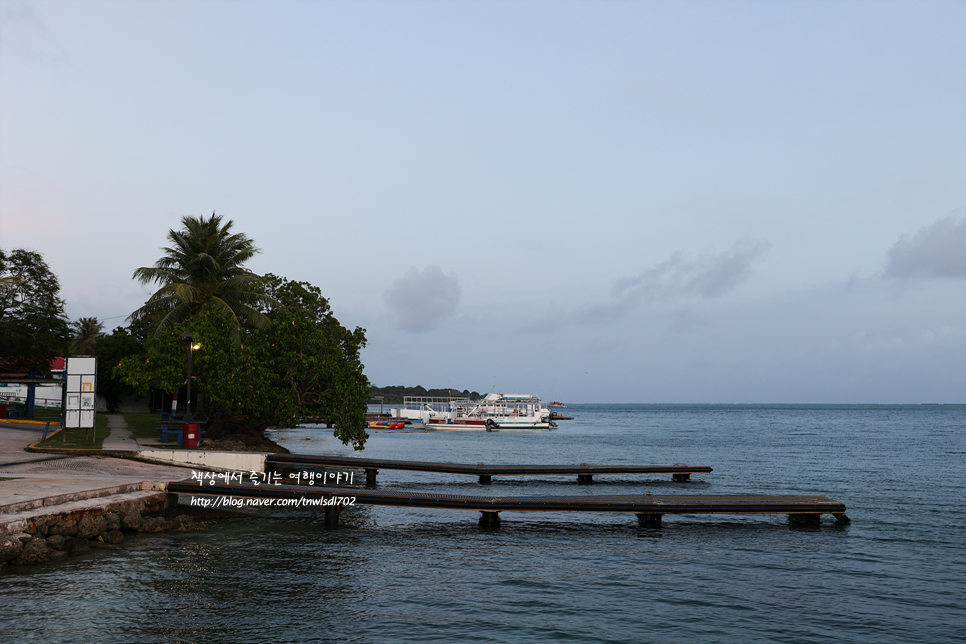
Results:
636 201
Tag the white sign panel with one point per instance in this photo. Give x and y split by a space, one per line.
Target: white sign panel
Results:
81 375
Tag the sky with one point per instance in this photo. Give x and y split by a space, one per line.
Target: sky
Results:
600 201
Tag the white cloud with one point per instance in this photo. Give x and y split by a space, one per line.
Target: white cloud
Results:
709 275
935 251
422 300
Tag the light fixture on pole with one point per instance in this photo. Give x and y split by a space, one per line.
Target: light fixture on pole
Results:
190 339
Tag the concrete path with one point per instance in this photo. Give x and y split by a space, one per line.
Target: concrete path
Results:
27 478
120 438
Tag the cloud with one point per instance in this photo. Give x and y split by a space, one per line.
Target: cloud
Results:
709 275
421 300
935 251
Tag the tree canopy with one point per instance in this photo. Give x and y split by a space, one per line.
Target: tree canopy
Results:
271 352
87 333
33 326
204 267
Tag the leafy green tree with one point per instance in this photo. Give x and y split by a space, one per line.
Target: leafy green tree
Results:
305 365
317 360
204 267
33 326
87 333
162 365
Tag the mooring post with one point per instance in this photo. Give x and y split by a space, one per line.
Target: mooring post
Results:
649 519
331 516
371 477
489 519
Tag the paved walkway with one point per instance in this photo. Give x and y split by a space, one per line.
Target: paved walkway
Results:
120 438
29 478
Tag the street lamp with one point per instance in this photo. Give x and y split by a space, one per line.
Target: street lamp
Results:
190 339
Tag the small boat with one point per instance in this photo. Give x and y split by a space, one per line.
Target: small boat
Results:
494 412
373 424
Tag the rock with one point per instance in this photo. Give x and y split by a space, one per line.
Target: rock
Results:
112 522
131 519
59 542
112 536
10 548
34 552
91 525
66 526
182 523
154 524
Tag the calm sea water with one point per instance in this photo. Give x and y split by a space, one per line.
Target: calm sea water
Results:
897 573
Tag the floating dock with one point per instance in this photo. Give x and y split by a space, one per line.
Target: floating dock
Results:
585 473
650 509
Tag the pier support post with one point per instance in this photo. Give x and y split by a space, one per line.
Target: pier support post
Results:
810 518
489 519
841 518
371 477
681 477
585 479
331 516
485 479
649 519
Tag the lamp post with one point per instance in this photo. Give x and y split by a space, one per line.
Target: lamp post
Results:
190 339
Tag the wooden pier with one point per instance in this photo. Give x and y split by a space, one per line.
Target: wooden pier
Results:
649 509
585 473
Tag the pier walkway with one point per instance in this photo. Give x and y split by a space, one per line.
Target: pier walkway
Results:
649 509
485 472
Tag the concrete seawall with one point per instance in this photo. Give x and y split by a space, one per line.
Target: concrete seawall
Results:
54 502
206 460
58 526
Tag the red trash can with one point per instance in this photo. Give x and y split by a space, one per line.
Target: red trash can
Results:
191 432
3 410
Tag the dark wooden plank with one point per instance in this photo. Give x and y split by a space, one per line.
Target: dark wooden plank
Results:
481 469
638 504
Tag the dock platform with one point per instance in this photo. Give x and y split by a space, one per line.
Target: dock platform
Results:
650 509
585 473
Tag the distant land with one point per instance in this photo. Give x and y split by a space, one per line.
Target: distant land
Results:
394 395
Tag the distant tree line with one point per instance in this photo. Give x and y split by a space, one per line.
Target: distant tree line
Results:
394 395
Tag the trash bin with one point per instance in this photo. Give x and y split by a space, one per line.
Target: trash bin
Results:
3 410
191 432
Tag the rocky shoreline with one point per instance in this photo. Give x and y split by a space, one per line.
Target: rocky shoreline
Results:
55 534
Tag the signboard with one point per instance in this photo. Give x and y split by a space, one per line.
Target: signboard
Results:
81 389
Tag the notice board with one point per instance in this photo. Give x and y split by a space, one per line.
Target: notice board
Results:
81 389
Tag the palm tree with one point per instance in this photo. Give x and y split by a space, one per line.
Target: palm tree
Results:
87 331
204 266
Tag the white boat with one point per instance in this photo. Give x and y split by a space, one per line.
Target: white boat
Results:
439 413
493 412
514 411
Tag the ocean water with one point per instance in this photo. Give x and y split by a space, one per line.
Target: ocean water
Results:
897 573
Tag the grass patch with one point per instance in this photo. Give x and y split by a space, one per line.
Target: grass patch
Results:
143 426
76 439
